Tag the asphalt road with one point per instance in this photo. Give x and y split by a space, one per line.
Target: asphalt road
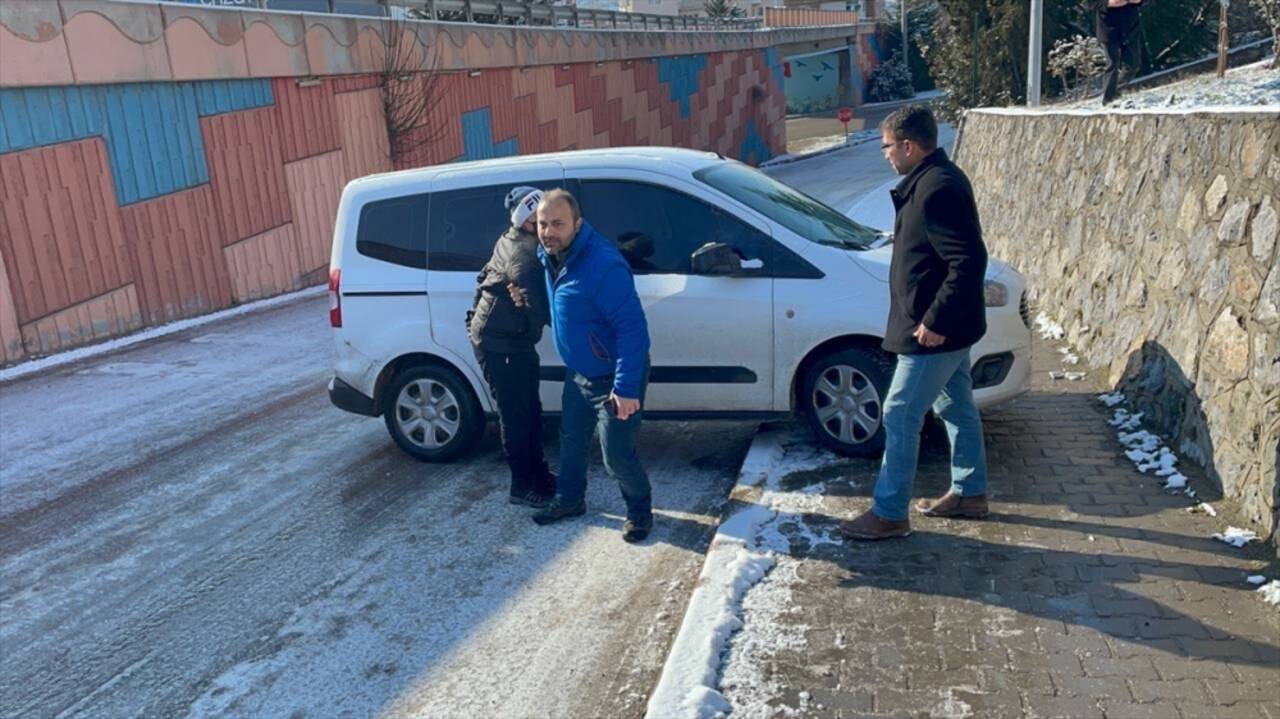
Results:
188 527
843 177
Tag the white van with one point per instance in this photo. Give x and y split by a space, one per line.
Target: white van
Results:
783 314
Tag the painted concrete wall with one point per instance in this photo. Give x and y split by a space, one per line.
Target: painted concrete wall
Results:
814 85
146 195
821 82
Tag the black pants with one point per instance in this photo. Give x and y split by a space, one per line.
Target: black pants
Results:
513 380
1121 29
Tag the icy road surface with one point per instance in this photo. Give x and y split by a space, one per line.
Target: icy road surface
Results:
188 527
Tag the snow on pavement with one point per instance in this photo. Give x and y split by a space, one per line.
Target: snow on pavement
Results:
1148 451
1271 592
748 546
1257 84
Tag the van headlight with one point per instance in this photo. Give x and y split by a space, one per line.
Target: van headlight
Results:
995 294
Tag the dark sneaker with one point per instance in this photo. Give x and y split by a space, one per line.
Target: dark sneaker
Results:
955 506
537 500
633 532
555 512
869 526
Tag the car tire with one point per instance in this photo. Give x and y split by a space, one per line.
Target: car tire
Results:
842 398
432 413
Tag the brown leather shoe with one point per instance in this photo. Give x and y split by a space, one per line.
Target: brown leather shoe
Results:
954 506
869 525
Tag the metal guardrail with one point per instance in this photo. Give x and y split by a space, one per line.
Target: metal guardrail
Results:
499 12
533 14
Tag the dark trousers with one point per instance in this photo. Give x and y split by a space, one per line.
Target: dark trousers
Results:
513 380
586 409
1120 29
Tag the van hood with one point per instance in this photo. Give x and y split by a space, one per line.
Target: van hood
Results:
875 262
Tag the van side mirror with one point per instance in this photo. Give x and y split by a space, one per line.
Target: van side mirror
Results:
716 258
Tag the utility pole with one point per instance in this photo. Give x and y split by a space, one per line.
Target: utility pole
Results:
1034 54
906 39
1222 36
902 17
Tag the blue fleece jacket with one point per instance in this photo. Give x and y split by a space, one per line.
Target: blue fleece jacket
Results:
596 317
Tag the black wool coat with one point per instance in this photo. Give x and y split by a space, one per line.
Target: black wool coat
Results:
939 260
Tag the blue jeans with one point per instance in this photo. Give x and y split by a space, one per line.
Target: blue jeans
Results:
919 382
585 408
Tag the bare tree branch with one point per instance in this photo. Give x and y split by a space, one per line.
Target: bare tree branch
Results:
410 84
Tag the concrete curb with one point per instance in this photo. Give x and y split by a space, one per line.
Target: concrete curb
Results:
686 689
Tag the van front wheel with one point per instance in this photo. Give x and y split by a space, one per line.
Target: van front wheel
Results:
431 413
843 400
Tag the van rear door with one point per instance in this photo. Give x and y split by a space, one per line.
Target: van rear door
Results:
467 217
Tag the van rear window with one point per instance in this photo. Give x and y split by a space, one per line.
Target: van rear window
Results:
465 225
395 230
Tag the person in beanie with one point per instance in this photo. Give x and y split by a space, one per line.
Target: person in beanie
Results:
937 311
602 335
503 335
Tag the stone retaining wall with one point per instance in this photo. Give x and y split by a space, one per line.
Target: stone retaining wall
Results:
1152 238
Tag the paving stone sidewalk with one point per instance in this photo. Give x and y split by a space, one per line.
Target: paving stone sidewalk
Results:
1089 592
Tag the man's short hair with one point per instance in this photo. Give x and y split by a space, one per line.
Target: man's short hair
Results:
562 195
914 122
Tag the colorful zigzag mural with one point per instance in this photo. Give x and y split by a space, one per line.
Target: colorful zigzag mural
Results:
133 204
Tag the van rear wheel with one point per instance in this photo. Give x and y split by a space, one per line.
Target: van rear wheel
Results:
431 412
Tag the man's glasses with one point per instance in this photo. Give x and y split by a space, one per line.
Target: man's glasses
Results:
887 145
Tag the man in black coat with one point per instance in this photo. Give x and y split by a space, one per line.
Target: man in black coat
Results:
937 311
505 323
1119 26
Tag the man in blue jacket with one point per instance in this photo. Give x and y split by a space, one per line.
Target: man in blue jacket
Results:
601 334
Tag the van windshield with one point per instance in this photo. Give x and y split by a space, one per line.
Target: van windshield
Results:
788 206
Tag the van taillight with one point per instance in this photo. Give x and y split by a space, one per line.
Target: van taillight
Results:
335 300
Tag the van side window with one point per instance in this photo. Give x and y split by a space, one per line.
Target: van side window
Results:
394 230
658 228
465 225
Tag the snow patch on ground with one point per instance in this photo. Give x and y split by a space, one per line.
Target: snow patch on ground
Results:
1143 448
1237 537
751 543
1112 399
1203 508
63 358
1047 328
1069 376
1256 579
1149 454
953 708
1248 86
1271 592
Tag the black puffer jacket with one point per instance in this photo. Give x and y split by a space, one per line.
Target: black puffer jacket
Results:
495 324
939 261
